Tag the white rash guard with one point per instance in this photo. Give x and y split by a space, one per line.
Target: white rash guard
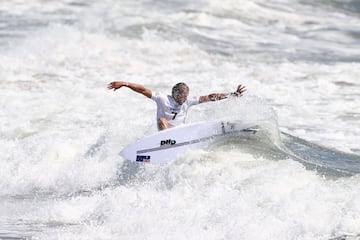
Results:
169 109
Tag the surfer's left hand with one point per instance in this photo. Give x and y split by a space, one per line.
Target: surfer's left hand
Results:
240 90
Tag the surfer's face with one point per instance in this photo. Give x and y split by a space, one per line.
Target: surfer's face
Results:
181 96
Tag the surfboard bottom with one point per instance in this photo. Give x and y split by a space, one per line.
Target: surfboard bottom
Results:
167 144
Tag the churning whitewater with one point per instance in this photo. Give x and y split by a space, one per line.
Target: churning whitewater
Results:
61 129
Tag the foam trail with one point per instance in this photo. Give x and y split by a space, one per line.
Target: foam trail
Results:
61 130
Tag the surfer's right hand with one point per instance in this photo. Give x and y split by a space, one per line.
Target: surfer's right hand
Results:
116 85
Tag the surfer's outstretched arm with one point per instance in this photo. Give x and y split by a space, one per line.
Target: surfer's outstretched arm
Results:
220 96
133 86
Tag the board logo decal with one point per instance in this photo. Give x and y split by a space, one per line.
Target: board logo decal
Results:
143 158
167 142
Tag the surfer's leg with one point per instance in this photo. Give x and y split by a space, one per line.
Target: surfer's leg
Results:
163 124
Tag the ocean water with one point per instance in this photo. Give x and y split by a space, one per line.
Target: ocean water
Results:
61 130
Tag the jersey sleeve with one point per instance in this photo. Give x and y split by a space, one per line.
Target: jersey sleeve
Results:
193 101
155 96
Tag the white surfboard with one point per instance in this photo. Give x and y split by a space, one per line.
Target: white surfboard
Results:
167 144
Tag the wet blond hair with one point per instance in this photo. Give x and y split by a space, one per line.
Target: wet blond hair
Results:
179 87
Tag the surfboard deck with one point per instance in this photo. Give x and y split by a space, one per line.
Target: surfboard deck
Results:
165 145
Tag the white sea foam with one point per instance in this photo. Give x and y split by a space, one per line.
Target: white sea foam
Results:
61 130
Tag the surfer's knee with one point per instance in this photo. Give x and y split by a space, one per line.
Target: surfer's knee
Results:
163 124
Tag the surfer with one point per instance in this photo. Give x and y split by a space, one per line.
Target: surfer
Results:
172 109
